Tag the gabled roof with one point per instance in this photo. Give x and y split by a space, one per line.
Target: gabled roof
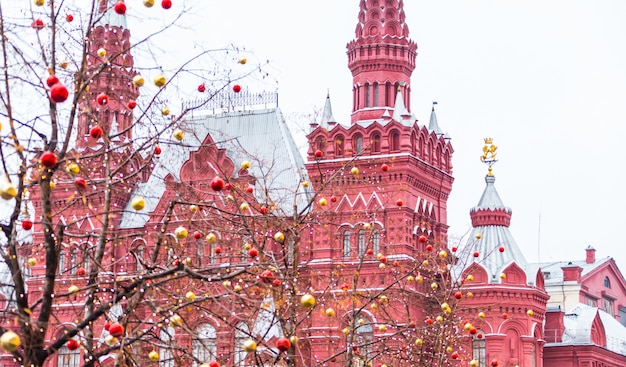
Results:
582 321
260 136
556 273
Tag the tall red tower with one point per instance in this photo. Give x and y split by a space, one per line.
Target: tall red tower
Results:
109 79
381 59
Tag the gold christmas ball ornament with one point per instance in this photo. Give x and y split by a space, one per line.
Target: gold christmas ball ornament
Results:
179 134
138 203
73 289
181 233
148 3
307 301
7 191
102 52
72 168
160 80
330 312
138 81
10 341
153 356
190 296
245 165
249 346
176 320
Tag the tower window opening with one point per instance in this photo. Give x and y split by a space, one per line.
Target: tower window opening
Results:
367 95
375 102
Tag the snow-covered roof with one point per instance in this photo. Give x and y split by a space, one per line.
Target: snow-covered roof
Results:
578 328
433 125
490 198
260 136
327 114
556 273
399 109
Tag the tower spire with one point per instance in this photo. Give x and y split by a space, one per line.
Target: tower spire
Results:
381 58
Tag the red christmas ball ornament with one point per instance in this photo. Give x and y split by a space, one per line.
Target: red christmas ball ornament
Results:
267 276
423 239
37 24
120 8
277 283
429 321
72 344
52 80
69 18
455 355
319 154
236 88
197 235
399 202
217 250
116 330
458 295
505 315
157 150
217 184
253 252
102 99
454 249
501 249
80 183
473 331
249 189
107 325
59 93
333 199
283 344
369 252
494 363
383 259
476 254
214 364
48 159
131 104
479 336
384 167
81 272
27 224
201 88
263 210
228 186
96 132
429 248
166 4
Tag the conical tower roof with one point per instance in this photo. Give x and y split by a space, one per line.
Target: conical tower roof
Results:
491 244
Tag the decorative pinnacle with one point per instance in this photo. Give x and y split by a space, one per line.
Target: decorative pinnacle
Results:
489 155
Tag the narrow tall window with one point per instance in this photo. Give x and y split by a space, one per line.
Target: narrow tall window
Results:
74 261
376 242
363 342
358 144
339 146
361 242
166 357
61 267
607 282
375 95
479 348
367 95
200 253
395 141
86 258
242 333
139 255
204 344
346 243
375 143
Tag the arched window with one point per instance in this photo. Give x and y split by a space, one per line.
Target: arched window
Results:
204 344
363 342
376 242
367 95
339 146
388 94
68 358
74 261
394 141
607 282
358 144
242 333
361 242
479 348
166 357
86 257
320 143
61 267
375 144
346 243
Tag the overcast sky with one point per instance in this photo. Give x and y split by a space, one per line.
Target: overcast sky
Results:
545 79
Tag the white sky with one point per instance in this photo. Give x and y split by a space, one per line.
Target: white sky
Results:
545 79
